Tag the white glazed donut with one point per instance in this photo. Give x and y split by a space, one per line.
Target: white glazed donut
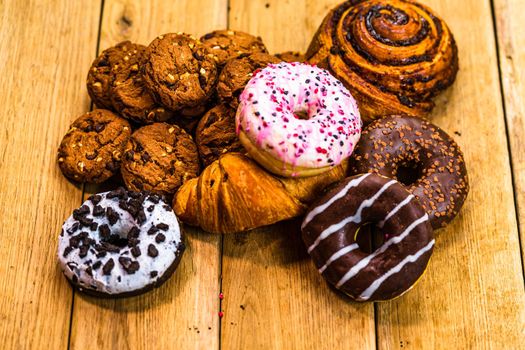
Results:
297 120
120 243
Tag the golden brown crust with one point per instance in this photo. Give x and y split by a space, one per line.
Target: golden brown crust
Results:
234 194
216 135
92 148
227 44
394 56
179 72
159 158
237 73
291 56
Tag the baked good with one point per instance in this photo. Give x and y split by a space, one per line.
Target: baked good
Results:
297 120
159 158
178 71
236 74
216 135
420 155
129 96
393 55
234 194
120 244
331 226
227 44
92 148
100 75
291 56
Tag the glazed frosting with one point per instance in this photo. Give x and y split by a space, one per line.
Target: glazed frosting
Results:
86 269
300 114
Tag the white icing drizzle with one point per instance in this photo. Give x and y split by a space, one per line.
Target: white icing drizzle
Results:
367 293
318 210
339 254
354 218
395 210
394 240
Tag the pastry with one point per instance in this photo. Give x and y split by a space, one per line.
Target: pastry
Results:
291 56
129 96
297 120
92 148
178 71
331 226
420 155
120 244
234 194
237 73
216 135
227 44
159 158
100 75
393 55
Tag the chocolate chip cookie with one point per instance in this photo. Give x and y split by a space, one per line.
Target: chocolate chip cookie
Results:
237 73
228 44
92 148
291 56
216 135
179 72
100 75
129 95
159 158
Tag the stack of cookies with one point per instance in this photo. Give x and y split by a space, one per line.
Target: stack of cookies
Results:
163 111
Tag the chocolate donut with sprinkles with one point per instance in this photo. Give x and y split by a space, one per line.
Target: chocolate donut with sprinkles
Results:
297 120
120 244
420 155
331 227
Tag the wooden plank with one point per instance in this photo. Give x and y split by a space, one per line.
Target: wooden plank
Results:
273 296
41 93
511 39
184 312
472 295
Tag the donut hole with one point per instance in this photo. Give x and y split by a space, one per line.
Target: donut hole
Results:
118 241
409 173
369 237
301 114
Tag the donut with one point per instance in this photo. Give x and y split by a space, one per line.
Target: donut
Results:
120 243
297 120
420 155
332 224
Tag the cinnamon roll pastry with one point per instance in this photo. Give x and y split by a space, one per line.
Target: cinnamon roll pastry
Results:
393 55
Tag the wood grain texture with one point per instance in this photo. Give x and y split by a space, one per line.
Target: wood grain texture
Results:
472 295
511 39
274 297
40 94
183 313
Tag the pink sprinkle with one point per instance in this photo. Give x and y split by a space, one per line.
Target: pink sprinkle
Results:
221 296
321 150
221 314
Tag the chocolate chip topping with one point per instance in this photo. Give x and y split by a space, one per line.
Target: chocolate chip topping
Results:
129 265
108 266
152 251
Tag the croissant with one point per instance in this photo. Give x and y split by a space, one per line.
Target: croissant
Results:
234 194
393 55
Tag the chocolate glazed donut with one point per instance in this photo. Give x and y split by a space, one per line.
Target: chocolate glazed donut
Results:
420 155
331 227
393 55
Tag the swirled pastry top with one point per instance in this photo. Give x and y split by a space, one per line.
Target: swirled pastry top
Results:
393 55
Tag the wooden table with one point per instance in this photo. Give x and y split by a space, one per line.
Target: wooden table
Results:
472 296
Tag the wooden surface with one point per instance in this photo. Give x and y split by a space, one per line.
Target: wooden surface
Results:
472 296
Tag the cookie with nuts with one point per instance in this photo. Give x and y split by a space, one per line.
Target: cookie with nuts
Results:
129 95
100 75
179 72
227 44
237 73
92 148
291 56
216 135
159 158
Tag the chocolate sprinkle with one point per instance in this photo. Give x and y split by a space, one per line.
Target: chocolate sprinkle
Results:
152 251
108 266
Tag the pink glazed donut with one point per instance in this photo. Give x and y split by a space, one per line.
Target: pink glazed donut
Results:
297 120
